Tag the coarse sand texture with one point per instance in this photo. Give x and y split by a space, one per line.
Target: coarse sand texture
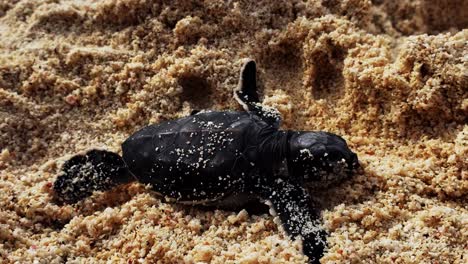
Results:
391 77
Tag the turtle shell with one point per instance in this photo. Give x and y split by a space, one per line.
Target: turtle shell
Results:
196 158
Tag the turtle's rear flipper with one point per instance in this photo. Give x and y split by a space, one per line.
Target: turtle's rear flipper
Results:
292 204
97 170
246 94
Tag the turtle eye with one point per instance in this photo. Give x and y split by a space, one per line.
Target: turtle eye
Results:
354 162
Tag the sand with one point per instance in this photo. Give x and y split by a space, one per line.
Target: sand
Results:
390 77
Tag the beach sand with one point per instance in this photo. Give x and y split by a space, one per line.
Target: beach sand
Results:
391 77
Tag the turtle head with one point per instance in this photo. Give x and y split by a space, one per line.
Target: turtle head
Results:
320 158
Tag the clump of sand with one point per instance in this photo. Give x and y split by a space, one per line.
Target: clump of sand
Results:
391 77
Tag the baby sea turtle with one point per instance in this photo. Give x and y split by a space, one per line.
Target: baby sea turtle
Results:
216 158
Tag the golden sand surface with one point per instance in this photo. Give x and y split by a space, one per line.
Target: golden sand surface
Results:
391 77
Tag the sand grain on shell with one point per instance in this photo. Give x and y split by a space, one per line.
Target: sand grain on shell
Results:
391 77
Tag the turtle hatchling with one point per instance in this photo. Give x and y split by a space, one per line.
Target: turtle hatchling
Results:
223 157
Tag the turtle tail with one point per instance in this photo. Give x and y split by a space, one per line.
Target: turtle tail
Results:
97 170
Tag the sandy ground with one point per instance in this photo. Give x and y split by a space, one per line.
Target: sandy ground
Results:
390 77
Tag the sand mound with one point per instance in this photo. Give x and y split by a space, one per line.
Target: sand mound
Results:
391 77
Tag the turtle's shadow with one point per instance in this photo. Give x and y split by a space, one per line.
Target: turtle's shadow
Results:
253 207
361 188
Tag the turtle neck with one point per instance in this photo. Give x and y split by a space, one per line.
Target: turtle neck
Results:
273 147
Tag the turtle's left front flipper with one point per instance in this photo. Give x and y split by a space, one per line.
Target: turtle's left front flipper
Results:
246 94
292 204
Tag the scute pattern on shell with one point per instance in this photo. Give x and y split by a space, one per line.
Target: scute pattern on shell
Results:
194 158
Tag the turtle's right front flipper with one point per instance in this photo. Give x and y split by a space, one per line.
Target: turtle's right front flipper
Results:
293 206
